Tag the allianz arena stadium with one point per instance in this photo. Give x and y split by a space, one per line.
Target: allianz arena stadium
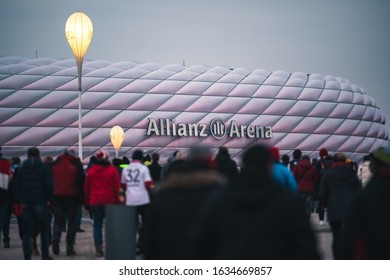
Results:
173 107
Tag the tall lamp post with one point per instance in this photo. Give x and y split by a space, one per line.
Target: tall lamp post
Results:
79 32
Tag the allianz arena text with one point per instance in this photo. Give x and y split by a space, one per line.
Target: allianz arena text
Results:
173 107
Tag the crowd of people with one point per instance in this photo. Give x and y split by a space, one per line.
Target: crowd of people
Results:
201 206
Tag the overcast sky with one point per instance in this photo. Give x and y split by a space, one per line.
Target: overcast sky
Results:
343 38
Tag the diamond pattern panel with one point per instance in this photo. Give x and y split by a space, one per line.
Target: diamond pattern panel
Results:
39 107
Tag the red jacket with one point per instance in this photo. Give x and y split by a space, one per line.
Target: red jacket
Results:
307 176
102 184
68 176
5 173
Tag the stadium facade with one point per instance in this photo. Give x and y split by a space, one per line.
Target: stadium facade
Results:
172 107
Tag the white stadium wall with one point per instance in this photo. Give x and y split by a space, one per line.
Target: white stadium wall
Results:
168 108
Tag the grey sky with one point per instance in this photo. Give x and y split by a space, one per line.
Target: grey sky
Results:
345 38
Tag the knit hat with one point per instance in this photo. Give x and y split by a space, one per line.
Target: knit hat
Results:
102 154
323 152
383 154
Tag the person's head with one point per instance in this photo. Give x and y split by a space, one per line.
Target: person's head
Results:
285 159
297 154
137 155
200 156
48 160
116 162
306 157
155 157
223 151
101 155
125 160
381 159
16 160
323 152
368 157
33 153
339 157
146 157
257 160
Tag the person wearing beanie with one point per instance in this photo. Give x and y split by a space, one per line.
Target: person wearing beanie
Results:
102 187
366 231
280 173
338 185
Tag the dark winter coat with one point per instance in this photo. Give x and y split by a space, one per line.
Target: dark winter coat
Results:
338 186
174 210
255 219
306 175
226 166
34 182
367 230
155 171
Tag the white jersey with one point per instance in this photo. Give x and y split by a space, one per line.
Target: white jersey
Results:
135 176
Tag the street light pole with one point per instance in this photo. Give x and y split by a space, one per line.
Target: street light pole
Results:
79 32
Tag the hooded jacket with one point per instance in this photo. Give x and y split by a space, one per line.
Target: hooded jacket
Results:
307 176
68 176
102 184
338 186
34 182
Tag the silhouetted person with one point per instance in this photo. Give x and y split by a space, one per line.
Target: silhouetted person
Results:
367 230
177 204
68 176
225 164
155 168
35 184
338 185
254 218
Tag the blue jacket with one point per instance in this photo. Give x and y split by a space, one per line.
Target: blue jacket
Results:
283 177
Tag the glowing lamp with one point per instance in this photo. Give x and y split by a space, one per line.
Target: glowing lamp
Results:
117 136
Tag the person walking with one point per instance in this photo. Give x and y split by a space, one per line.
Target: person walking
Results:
136 177
102 187
155 168
35 184
366 232
178 203
254 218
5 176
338 186
68 176
307 176
281 175
225 164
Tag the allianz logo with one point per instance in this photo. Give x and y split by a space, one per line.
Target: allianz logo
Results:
217 128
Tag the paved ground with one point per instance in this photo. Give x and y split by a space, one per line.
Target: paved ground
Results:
85 248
